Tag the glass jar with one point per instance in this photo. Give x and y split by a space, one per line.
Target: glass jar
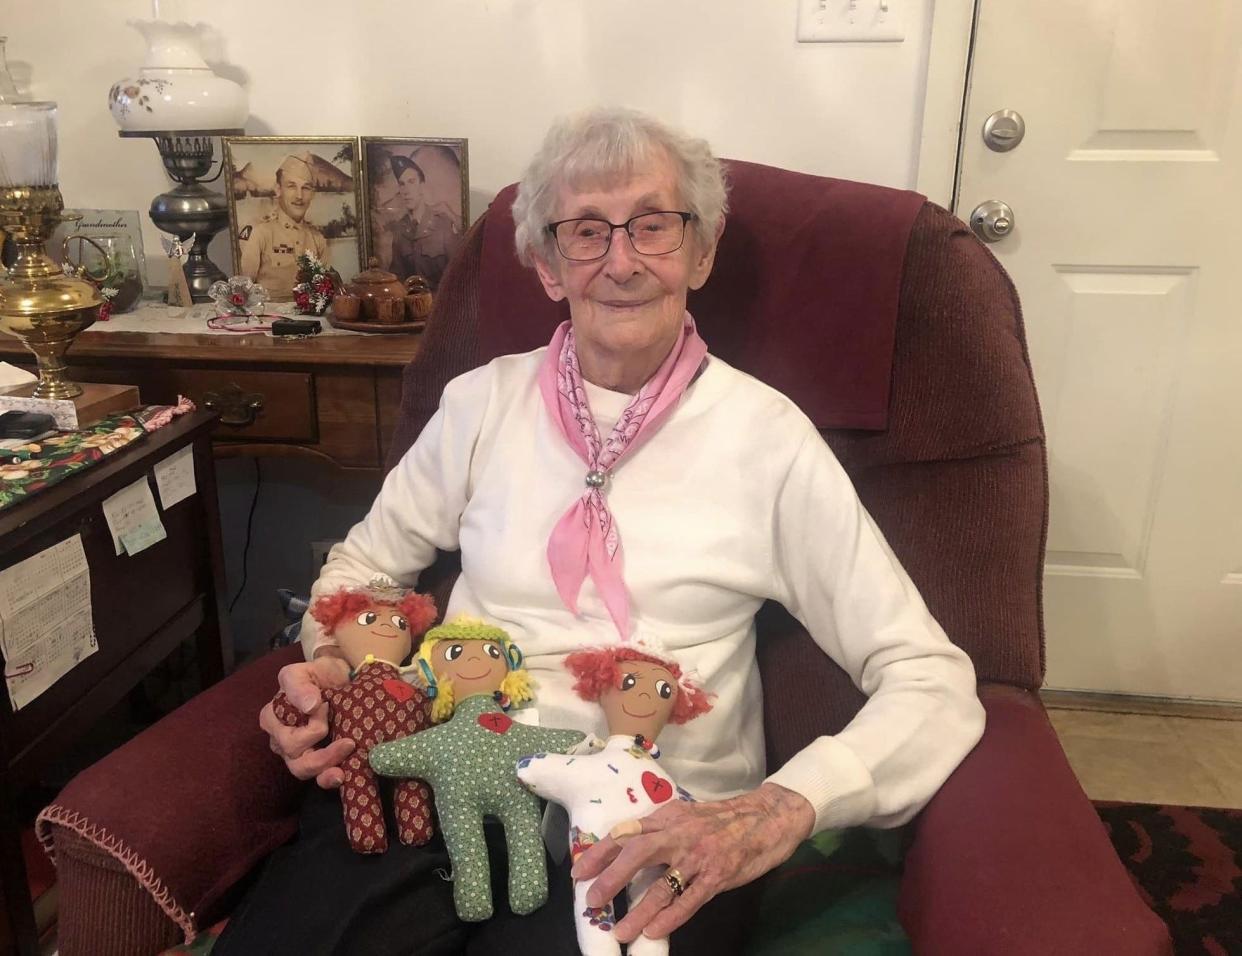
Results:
119 270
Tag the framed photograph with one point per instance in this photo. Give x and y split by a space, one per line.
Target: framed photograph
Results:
417 194
293 194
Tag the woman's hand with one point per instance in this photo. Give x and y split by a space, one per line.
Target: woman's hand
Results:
715 847
304 684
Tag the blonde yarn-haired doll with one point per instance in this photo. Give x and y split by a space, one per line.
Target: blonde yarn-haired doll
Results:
474 673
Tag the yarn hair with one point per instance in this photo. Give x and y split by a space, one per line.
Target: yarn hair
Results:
517 685
330 610
598 669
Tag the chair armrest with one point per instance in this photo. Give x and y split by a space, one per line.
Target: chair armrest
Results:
1011 857
187 807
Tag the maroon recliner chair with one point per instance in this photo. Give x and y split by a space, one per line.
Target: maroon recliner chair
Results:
911 357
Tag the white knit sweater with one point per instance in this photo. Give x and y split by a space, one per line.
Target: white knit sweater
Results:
734 500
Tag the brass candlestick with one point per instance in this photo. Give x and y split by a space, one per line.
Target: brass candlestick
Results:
39 303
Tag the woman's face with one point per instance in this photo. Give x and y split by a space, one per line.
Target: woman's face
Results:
627 303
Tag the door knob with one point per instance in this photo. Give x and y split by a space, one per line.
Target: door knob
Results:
992 221
1003 130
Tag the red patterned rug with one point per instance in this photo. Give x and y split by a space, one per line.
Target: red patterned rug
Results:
1187 863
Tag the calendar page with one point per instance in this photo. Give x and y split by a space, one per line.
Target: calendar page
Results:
46 626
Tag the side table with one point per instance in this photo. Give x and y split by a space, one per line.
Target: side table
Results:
143 606
331 397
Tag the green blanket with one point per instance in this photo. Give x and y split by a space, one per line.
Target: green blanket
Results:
836 894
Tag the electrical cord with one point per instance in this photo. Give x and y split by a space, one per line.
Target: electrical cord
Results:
258 480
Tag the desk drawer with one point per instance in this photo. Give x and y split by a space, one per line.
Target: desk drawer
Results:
253 404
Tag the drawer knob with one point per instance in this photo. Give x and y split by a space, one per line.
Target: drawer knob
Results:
234 406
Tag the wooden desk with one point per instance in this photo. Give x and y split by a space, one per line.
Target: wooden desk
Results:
143 607
332 397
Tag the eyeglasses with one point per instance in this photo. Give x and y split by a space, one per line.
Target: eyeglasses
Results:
652 234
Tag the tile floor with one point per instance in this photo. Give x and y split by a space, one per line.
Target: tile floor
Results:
1145 758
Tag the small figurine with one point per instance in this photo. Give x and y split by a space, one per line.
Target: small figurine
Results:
608 792
474 674
178 289
376 630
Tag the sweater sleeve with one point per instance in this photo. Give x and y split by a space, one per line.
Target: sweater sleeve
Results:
845 585
419 507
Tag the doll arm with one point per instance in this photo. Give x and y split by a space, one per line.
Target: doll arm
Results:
408 757
551 740
549 776
286 713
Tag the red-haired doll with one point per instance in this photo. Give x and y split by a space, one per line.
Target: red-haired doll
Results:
376 630
640 690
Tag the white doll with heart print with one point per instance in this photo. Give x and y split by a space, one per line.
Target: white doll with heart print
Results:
639 690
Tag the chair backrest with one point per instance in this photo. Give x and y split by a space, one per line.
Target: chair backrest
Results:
921 362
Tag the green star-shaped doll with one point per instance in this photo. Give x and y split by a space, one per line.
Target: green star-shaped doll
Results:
469 761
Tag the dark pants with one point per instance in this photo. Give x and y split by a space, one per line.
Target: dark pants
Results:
317 897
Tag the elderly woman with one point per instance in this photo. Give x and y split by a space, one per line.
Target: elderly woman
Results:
623 481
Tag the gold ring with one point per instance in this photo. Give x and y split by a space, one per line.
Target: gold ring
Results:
676 882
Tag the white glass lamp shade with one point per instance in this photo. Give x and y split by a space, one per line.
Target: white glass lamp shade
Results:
176 89
27 144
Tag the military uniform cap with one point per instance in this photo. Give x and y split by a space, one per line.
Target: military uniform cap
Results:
296 164
402 164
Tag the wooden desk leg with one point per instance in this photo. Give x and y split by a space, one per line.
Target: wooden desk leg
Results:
18 910
215 638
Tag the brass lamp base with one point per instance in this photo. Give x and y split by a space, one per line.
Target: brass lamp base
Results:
39 303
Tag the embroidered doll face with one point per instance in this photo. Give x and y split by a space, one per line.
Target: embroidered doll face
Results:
471 666
642 701
377 629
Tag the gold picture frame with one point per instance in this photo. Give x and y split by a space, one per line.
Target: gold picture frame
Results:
402 174
276 219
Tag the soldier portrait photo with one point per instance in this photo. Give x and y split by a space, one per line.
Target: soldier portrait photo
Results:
417 203
288 196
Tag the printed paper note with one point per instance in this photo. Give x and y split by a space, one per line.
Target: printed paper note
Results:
46 625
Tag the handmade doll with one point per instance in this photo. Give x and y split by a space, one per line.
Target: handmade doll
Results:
376 630
474 674
607 792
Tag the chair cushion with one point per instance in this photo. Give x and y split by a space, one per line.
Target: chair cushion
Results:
962 382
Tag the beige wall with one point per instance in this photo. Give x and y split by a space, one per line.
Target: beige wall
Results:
493 71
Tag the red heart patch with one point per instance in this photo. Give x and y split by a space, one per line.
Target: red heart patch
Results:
496 723
398 689
658 789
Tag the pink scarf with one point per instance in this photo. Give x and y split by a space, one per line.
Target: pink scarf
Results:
585 540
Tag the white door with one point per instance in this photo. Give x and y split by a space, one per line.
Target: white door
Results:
1127 204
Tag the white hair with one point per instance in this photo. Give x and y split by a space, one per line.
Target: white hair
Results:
604 146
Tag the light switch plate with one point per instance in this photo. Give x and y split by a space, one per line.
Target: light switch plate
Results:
850 21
